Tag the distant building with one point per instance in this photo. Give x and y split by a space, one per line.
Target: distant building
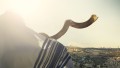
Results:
73 49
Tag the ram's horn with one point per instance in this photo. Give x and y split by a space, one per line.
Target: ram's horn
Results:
87 23
71 23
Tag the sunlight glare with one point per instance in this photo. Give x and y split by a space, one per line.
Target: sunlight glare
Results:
24 7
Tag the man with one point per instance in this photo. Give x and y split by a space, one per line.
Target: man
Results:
21 47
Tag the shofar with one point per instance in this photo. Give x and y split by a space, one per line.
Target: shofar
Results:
71 23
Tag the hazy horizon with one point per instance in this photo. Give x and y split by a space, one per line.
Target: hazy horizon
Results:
39 14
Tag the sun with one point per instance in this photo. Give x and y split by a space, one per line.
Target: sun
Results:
24 7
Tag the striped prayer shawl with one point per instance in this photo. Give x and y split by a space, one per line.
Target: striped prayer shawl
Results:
52 55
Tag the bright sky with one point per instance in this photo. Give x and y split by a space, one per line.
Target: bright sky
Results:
49 15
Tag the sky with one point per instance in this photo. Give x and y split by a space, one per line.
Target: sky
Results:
48 16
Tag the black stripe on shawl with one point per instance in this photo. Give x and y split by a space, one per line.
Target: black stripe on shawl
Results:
44 53
40 53
52 55
58 52
49 54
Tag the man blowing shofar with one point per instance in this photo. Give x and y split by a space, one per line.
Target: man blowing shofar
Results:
21 47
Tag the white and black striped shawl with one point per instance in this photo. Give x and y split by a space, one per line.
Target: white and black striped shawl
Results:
52 55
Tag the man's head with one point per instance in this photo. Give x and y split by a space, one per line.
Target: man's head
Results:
13 29
11 21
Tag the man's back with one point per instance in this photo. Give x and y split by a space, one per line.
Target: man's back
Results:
20 46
